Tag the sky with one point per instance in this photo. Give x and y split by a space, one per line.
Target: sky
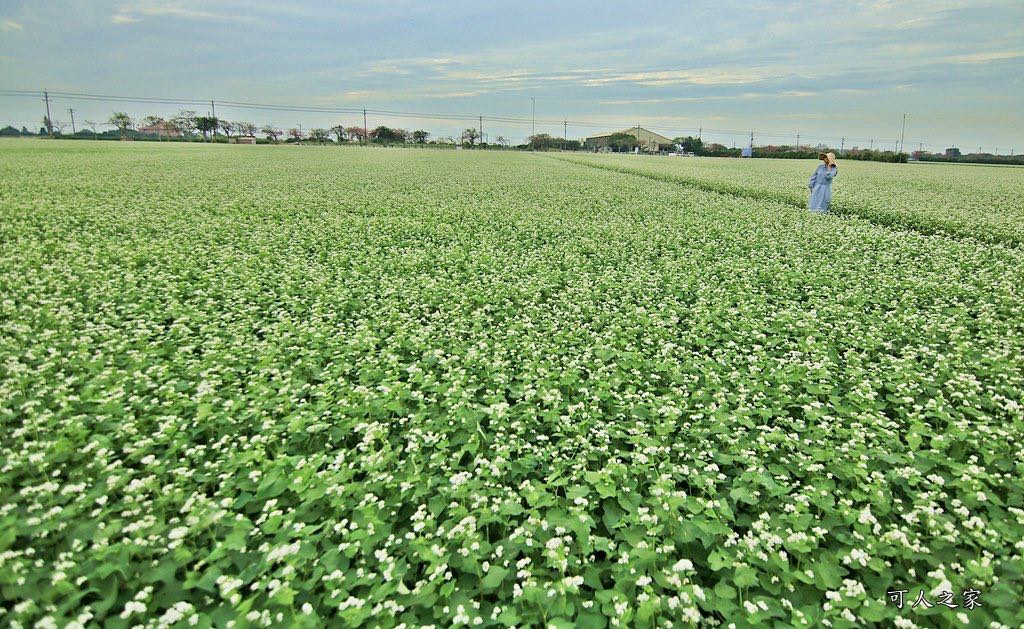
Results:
826 70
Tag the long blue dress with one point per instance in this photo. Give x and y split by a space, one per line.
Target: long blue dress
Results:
820 186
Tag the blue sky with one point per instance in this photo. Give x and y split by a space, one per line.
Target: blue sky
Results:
824 69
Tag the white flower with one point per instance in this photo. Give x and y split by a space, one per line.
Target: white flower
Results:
682 564
133 607
281 552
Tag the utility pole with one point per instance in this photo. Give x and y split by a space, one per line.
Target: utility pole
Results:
213 114
481 129
903 131
300 134
798 140
533 124
366 131
49 120
872 144
72 112
700 134
751 140
842 145
565 133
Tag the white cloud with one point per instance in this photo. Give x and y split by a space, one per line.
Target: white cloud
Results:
124 19
184 10
699 99
11 25
707 76
985 57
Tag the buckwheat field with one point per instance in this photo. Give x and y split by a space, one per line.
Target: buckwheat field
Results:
297 386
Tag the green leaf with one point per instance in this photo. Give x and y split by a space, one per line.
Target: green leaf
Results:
494 577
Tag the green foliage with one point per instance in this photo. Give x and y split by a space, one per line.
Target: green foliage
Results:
288 387
122 122
916 197
207 125
972 158
320 135
620 142
545 142
387 135
691 144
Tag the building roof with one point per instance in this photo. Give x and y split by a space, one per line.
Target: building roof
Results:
160 127
629 130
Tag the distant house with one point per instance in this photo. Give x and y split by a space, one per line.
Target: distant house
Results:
164 129
649 140
245 139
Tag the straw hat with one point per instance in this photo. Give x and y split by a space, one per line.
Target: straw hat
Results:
830 158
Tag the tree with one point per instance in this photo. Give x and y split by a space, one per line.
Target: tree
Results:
420 137
226 126
271 132
622 142
47 126
245 128
295 134
690 144
92 125
470 135
952 152
206 125
542 142
320 135
185 122
357 133
123 122
387 135
58 126
339 132
502 140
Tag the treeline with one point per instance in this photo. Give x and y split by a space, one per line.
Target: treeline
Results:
697 146
187 126
545 142
955 157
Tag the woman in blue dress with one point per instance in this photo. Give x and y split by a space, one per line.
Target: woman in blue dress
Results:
820 184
